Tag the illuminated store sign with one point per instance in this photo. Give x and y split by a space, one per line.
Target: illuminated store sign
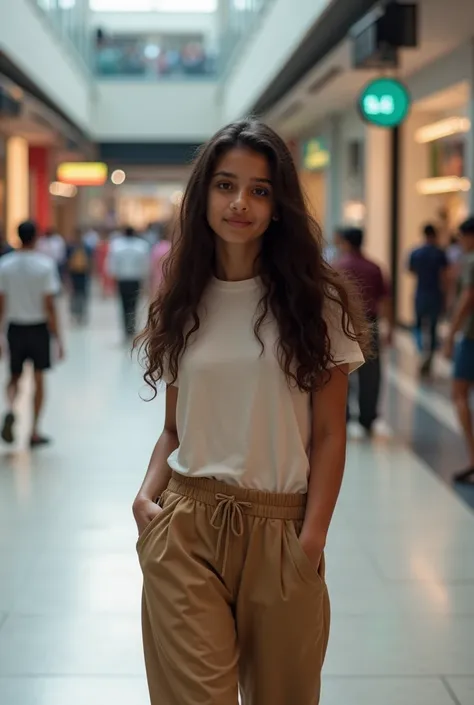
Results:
316 156
384 102
82 173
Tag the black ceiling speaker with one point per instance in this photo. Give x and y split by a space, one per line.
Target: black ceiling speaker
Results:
9 107
381 33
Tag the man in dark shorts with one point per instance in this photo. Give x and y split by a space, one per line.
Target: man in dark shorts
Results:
463 322
29 283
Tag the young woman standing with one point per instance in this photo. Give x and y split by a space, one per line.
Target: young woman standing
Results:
254 336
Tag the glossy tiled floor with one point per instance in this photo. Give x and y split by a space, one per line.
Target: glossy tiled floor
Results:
400 556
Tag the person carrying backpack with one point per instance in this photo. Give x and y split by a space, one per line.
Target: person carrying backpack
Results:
79 266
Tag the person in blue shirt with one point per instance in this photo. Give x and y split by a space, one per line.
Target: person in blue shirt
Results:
430 266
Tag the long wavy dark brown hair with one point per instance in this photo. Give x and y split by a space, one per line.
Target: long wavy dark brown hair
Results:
297 283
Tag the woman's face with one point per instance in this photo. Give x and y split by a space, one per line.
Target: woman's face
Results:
240 201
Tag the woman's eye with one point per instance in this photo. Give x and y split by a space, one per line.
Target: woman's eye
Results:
259 191
224 186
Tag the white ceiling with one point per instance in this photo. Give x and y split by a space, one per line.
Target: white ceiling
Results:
443 26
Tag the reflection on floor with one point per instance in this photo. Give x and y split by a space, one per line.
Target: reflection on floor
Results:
400 554
421 414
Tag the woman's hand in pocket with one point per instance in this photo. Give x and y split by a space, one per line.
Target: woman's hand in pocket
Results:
144 511
313 546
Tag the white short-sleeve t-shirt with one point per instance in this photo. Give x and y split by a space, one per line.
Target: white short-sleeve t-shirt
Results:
26 277
238 419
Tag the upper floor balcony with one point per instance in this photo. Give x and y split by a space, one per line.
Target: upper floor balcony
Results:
102 60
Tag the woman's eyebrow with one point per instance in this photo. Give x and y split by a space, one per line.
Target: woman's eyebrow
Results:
230 175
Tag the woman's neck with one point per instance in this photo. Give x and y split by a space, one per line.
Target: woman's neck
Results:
236 262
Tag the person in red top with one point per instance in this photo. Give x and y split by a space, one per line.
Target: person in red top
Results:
376 295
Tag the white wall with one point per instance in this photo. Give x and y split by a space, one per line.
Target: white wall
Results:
378 184
32 45
167 22
447 71
269 49
140 112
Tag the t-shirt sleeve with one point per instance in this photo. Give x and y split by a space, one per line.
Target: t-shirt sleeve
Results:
344 350
167 377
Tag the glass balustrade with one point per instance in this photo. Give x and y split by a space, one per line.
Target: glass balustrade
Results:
70 20
155 55
239 20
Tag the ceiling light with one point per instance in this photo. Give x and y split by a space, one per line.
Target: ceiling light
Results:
118 177
443 184
442 128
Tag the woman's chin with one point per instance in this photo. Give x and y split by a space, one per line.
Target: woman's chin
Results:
238 237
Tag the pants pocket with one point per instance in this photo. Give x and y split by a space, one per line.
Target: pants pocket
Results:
147 531
303 565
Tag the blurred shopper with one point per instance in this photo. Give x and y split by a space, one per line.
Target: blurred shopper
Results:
332 250
463 322
454 255
158 255
430 266
151 235
79 269
454 251
53 245
376 295
5 248
101 255
28 286
252 334
128 263
91 238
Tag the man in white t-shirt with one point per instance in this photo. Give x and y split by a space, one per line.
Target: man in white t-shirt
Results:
128 263
29 283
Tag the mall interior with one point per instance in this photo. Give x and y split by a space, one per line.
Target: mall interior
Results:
104 105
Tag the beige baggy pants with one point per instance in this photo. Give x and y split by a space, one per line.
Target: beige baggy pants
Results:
230 599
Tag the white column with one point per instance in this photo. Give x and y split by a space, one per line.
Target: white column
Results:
17 186
378 195
333 178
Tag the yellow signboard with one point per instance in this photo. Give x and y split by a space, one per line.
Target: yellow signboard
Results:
315 155
82 173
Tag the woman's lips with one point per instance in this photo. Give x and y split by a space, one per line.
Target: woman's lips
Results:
238 223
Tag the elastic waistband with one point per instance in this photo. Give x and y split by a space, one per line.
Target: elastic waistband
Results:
270 505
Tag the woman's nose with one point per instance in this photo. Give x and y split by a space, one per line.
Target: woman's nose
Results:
240 202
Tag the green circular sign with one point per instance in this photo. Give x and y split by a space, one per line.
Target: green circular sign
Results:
384 102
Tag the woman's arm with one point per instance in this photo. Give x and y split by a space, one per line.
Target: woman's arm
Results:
159 472
327 460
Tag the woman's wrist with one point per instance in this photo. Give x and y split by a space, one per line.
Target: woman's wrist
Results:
314 535
144 498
